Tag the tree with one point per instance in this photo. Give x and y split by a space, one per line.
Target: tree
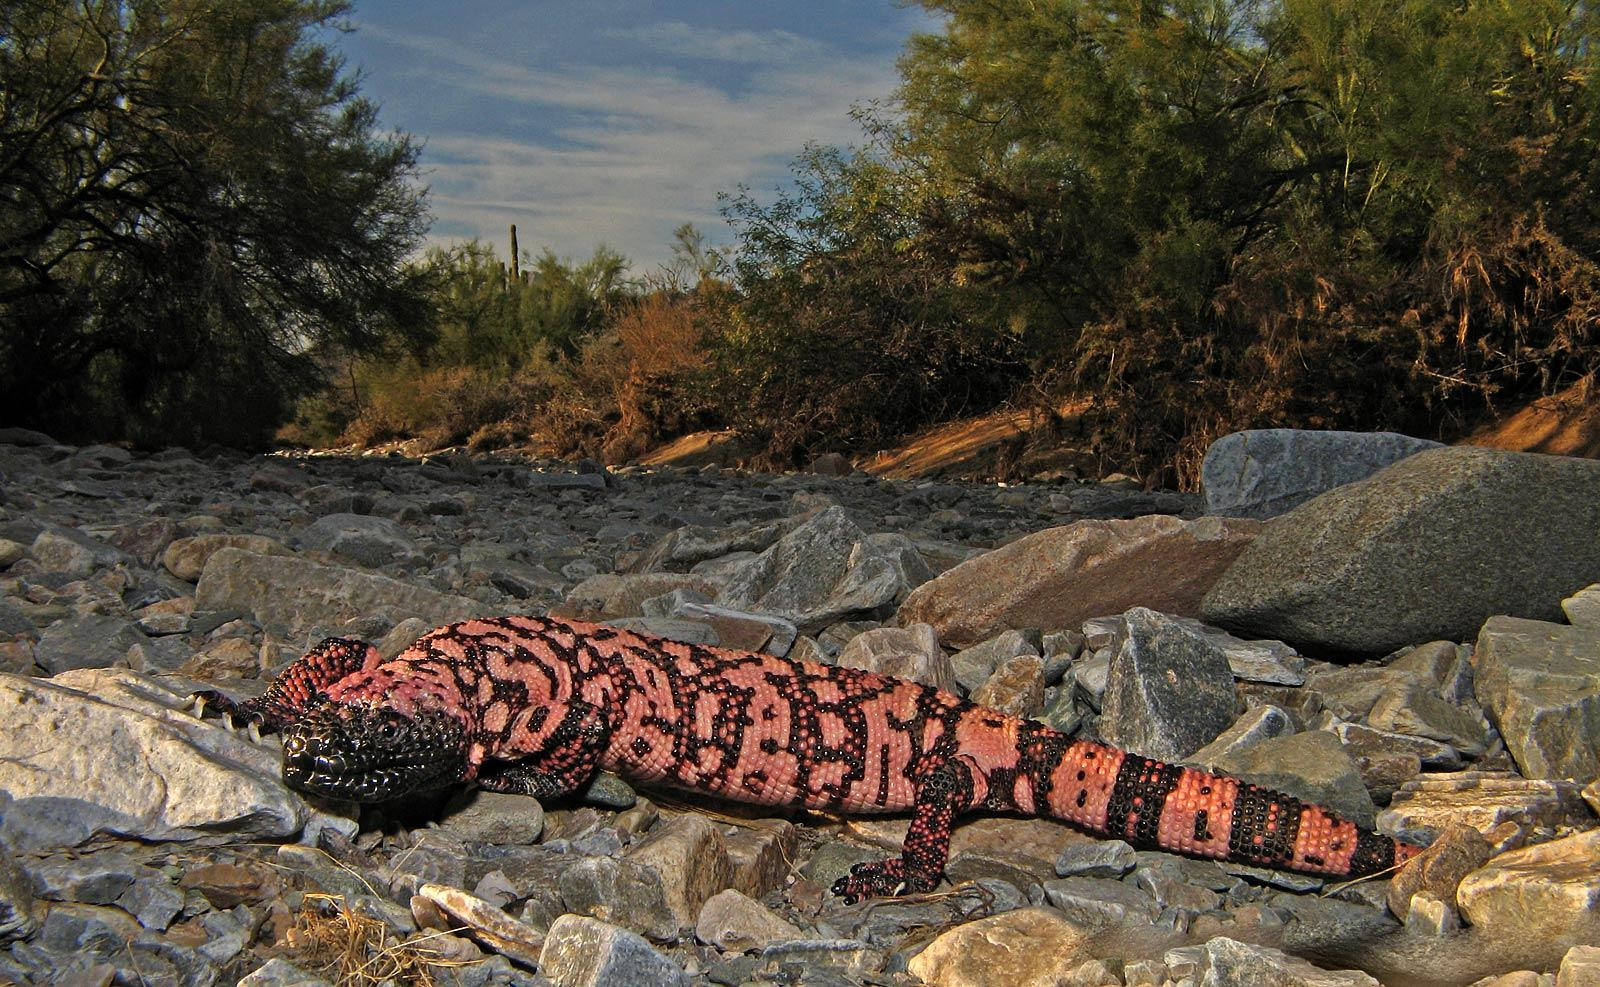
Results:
194 199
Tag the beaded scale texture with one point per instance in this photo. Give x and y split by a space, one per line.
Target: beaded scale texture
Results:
535 705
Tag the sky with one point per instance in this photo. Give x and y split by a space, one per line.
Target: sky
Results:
616 121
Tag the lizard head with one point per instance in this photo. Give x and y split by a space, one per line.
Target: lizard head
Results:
366 752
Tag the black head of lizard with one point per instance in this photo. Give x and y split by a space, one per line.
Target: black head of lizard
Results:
365 753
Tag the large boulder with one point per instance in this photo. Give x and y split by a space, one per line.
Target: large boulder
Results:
1061 577
1263 472
136 765
1429 548
1540 684
291 597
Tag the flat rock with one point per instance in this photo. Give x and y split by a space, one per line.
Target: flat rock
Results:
1311 766
137 766
1549 893
733 922
1263 472
1423 807
291 597
902 652
1027 946
612 595
1583 607
740 629
1540 684
1170 691
586 952
1228 962
1438 871
90 641
1402 542
620 891
1060 577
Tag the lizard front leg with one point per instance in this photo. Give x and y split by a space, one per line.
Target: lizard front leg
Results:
942 794
560 765
299 687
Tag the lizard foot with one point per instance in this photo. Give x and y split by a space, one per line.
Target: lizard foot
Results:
882 879
210 702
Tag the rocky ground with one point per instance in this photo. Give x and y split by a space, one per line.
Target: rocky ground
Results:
1441 680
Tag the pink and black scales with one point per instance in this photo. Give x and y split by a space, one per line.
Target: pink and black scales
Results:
535 705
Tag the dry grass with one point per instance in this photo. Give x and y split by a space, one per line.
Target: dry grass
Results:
355 950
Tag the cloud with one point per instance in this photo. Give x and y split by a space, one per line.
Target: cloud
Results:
584 153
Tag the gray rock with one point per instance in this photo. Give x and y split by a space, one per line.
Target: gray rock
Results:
621 891
848 956
278 972
741 629
1016 687
1420 712
1583 607
138 766
1437 544
1255 725
186 557
70 551
1170 691
1540 684
692 859
19 913
586 952
10 552
1102 902
1311 766
902 652
823 571
494 817
1096 858
612 595
90 641
685 631
682 548
291 597
974 665
1261 473
563 481
367 541
14 623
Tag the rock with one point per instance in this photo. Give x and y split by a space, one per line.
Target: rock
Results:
137 766
17 436
564 481
1417 711
1399 544
760 854
1060 577
1311 766
586 952
848 958
19 913
1228 962
684 547
902 652
486 924
291 597
621 891
1170 692
90 641
823 571
741 630
1540 685
734 923
1582 608
832 464
1457 852
1251 728
688 852
1423 807
608 596
1098 858
70 551
683 631
1097 902
1016 687
494 817
186 557
278 972
974 665
10 552
1580 967
1261 473
1028 946
1549 893
367 541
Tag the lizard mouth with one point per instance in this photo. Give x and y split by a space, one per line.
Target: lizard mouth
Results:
359 753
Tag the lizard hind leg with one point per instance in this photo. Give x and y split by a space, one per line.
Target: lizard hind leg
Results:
942 794
298 688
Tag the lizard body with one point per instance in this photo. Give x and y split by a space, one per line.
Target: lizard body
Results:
536 705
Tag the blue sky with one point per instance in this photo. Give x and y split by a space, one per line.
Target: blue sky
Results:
616 121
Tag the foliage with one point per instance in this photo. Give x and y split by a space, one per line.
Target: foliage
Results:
196 199
1204 214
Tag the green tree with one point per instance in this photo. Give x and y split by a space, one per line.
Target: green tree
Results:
195 200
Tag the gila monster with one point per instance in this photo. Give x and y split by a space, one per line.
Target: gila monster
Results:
535 705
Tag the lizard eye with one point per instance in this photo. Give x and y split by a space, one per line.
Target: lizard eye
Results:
388 730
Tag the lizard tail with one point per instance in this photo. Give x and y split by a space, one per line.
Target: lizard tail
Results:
1159 806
